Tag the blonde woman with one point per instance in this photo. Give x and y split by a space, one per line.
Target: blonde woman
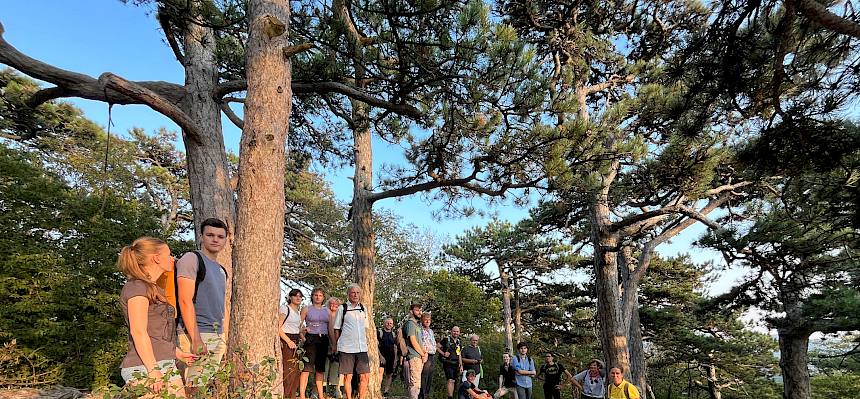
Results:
152 351
333 378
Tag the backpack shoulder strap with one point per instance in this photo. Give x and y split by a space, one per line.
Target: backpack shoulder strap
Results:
201 274
176 292
342 317
626 389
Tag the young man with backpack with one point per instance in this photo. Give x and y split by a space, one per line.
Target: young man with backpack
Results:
351 341
201 287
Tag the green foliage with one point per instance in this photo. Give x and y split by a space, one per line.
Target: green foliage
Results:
60 285
835 386
141 168
456 301
236 377
687 338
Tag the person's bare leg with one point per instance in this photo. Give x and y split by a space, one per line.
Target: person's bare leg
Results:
386 382
362 385
318 381
303 383
347 385
450 388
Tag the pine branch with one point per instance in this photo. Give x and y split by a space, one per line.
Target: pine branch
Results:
225 107
817 12
329 87
154 100
73 84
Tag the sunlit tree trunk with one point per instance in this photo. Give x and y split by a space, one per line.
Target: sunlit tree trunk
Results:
259 223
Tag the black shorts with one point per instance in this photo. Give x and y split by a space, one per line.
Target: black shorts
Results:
387 361
316 350
452 370
354 363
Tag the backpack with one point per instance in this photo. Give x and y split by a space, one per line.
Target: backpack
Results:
400 340
448 345
171 284
360 308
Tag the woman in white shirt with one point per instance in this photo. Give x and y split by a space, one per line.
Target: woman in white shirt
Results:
290 320
592 381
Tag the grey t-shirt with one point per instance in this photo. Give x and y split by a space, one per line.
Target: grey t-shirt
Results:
474 353
209 307
160 325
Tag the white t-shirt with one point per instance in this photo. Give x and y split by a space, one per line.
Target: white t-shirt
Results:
594 387
293 322
353 337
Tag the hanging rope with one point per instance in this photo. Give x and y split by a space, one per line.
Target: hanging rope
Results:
107 152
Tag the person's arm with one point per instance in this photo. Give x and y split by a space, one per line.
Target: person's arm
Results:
416 343
186 284
331 340
523 369
303 328
281 319
138 313
568 377
539 375
338 316
575 380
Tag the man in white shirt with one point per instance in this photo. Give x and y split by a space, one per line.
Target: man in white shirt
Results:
351 339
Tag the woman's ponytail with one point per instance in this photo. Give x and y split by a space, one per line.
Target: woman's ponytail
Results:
132 261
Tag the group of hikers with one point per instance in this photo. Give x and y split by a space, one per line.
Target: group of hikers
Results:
175 312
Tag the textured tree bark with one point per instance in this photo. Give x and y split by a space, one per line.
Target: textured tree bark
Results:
638 369
208 172
613 329
259 222
793 360
506 306
518 310
363 236
713 387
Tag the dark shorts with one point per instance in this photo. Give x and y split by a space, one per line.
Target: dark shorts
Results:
354 363
316 350
387 361
452 370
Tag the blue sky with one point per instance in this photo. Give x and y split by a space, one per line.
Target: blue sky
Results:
93 37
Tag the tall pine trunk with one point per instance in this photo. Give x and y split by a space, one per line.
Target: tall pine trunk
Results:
208 172
259 221
506 306
713 387
638 368
613 329
794 360
518 310
363 236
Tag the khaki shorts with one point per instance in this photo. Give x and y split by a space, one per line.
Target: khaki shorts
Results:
139 373
201 372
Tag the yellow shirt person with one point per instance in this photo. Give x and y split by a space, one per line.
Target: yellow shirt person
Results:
619 388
